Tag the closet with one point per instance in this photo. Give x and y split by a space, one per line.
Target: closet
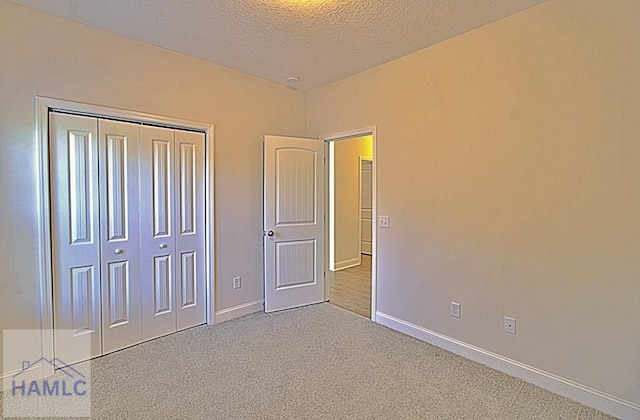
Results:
127 225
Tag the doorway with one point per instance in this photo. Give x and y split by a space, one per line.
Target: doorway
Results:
351 233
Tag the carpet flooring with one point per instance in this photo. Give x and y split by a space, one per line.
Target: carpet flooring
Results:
316 362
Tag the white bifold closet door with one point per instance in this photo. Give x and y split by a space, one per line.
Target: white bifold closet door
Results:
190 236
119 226
128 232
172 237
75 226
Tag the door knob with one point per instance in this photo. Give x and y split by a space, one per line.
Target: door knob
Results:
118 251
270 233
163 246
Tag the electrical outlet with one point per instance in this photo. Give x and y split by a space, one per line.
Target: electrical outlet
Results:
509 325
383 222
237 282
455 309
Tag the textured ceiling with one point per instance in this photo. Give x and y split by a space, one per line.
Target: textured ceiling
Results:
320 41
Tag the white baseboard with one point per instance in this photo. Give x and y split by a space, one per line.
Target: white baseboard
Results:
240 310
34 373
342 265
554 383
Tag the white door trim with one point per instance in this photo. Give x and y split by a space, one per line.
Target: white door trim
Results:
362 159
42 107
345 135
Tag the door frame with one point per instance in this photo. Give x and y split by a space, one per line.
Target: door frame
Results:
360 161
346 135
43 105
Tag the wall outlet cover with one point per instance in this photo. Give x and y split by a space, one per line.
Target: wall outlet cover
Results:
455 309
509 325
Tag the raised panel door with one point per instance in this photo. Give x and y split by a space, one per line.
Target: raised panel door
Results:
76 236
157 231
190 235
120 243
294 222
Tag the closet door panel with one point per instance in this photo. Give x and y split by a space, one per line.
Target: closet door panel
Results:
75 236
190 237
120 219
157 231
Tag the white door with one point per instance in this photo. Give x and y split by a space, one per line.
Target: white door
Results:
128 233
157 231
120 218
190 258
75 229
293 222
172 230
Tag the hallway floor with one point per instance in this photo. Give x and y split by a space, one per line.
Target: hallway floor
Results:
351 288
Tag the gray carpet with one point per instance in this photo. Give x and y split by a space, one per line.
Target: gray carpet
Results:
317 362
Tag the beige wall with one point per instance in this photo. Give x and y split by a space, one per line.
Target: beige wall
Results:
346 196
509 161
48 56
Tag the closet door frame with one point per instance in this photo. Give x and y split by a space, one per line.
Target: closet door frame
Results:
44 105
